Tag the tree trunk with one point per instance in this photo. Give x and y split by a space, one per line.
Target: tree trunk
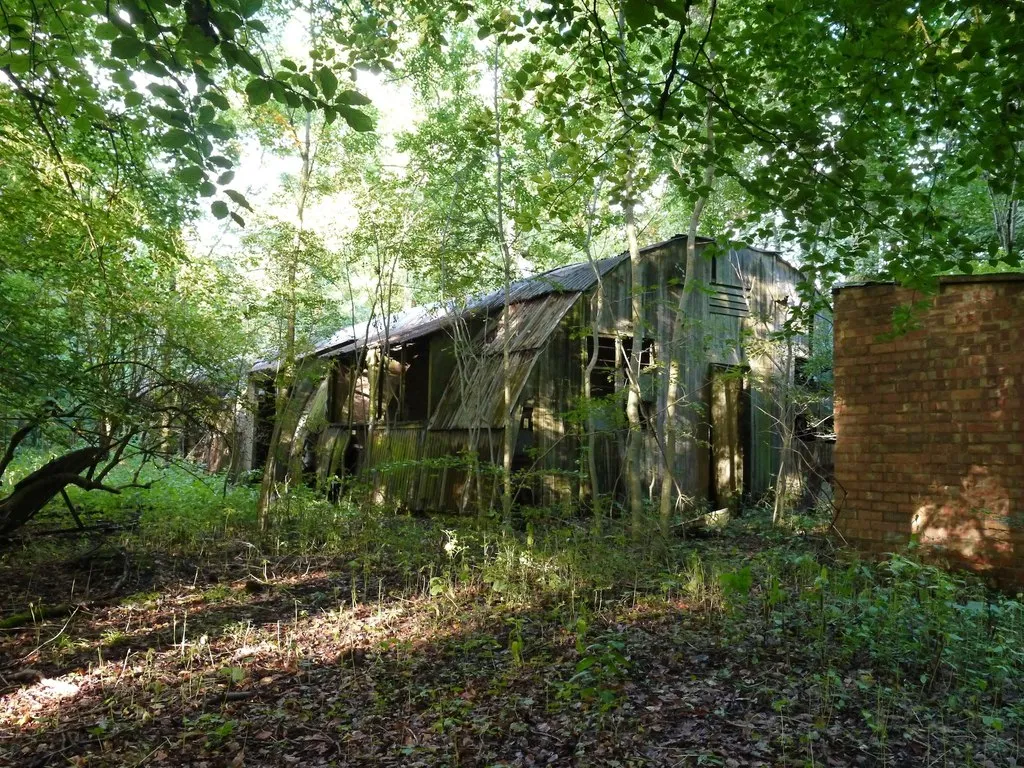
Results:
35 491
588 371
506 319
634 442
286 364
686 354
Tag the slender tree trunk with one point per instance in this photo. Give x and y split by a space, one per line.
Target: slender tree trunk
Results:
588 371
686 352
787 419
634 442
285 378
506 262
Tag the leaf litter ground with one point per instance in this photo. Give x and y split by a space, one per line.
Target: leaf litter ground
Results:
224 657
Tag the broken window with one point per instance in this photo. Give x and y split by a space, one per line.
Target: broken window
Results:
646 352
603 376
415 395
610 374
526 419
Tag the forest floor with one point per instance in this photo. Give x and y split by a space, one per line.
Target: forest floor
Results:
487 651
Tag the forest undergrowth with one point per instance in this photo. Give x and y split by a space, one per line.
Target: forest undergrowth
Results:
356 635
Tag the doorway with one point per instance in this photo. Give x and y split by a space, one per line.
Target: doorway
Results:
729 417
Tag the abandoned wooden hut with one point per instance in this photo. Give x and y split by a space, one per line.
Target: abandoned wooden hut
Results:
415 404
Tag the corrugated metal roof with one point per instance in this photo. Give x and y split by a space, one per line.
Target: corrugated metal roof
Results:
572 278
421 321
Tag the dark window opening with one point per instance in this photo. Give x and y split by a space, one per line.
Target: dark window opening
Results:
602 377
309 457
646 352
801 375
647 414
415 396
609 374
266 409
526 419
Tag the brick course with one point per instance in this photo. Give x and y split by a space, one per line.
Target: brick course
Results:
929 422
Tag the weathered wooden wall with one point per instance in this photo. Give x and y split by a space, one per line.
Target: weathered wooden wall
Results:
752 292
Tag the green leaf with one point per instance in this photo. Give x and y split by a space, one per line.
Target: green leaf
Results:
226 177
328 82
238 198
358 121
228 22
191 174
352 99
133 99
175 138
240 56
207 189
249 8
67 105
258 91
217 99
219 209
305 81
237 219
155 68
638 13
673 10
126 47
170 95
107 31
219 130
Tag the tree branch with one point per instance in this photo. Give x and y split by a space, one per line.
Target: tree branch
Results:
12 446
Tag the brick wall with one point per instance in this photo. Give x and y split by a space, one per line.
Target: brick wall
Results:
929 422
